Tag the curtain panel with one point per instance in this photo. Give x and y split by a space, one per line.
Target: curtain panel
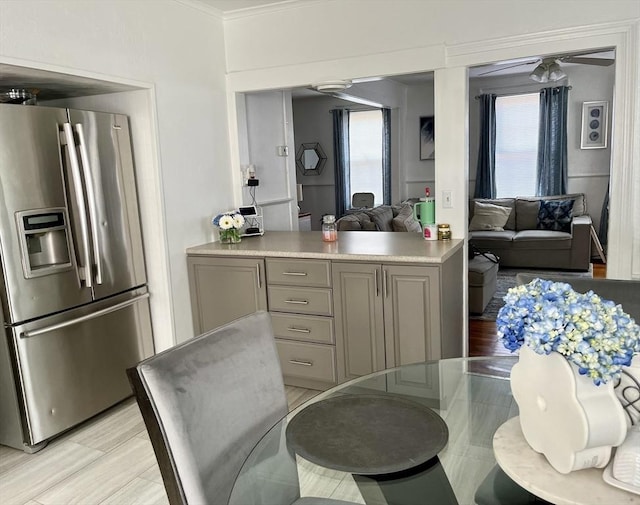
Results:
486 168
386 156
552 142
341 159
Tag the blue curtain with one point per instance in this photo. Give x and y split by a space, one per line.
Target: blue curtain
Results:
386 156
341 159
486 169
552 142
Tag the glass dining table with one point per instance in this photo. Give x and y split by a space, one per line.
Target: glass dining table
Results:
471 397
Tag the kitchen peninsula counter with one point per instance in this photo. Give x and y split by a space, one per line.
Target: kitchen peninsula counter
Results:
339 310
396 247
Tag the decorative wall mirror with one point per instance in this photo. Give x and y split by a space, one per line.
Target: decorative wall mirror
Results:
310 159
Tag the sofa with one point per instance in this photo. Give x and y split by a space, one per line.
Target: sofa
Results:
552 232
380 218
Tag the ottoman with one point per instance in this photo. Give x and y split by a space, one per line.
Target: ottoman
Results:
483 275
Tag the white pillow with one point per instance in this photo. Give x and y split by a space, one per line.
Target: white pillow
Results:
489 217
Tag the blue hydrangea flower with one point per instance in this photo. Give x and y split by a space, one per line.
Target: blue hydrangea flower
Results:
594 334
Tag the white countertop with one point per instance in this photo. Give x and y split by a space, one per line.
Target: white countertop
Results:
396 247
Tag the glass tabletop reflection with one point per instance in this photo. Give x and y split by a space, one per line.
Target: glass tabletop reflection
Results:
471 395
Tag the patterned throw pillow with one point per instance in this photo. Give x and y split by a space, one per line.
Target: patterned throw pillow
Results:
555 215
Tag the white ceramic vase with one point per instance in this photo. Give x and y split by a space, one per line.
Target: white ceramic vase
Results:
563 414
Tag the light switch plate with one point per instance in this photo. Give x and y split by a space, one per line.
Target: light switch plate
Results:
447 202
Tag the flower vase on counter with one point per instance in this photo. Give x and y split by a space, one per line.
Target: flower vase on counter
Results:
230 225
231 236
573 348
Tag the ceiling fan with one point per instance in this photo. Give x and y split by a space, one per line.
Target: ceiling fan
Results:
548 69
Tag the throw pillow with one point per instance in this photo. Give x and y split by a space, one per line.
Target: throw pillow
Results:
382 217
404 220
489 217
555 215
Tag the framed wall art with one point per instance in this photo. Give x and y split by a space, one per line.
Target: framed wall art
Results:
594 125
427 138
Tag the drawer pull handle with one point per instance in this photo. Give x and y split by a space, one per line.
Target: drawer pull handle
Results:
300 362
298 274
299 330
298 302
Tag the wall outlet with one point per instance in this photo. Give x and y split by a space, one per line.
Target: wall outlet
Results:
447 202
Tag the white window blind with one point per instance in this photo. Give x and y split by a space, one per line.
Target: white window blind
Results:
365 153
517 120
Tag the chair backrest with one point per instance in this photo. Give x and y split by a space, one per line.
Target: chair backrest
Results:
362 200
207 402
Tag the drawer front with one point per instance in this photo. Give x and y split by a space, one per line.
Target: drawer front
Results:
314 273
307 361
307 328
300 300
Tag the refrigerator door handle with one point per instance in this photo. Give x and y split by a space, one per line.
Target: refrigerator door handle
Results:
91 199
84 270
93 315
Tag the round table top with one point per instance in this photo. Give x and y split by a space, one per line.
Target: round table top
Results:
367 434
532 471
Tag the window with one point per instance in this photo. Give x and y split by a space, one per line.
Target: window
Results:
517 122
365 154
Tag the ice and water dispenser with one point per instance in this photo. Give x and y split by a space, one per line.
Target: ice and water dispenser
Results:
44 240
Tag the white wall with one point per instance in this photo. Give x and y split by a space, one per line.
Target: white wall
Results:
269 124
387 38
179 52
588 169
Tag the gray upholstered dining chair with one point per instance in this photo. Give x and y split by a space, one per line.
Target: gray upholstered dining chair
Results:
206 403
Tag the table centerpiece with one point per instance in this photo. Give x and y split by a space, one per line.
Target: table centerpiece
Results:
572 348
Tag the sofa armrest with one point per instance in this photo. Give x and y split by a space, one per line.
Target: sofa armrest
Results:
581 242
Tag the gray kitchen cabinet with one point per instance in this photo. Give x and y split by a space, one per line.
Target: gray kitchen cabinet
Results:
301 307
390 315
224 289
369 301
358 317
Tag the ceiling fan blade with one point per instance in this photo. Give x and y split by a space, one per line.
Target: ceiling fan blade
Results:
604 62
508 67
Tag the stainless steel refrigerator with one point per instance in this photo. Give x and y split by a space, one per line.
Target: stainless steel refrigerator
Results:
75 308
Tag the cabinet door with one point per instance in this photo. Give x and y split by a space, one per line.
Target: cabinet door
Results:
224 289
411 314
359 324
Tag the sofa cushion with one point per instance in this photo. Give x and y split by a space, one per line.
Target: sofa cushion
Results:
382 217
527 208
355 222
489 217
555 215
541 239
502 202
404 221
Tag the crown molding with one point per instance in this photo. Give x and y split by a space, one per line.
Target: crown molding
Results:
278 5
202 7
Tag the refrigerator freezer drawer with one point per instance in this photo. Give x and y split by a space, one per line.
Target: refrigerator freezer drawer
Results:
72 366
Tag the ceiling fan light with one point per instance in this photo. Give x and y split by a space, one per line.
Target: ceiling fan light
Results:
555 72
539 74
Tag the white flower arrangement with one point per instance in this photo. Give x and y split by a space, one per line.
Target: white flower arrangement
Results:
595 334
230 224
